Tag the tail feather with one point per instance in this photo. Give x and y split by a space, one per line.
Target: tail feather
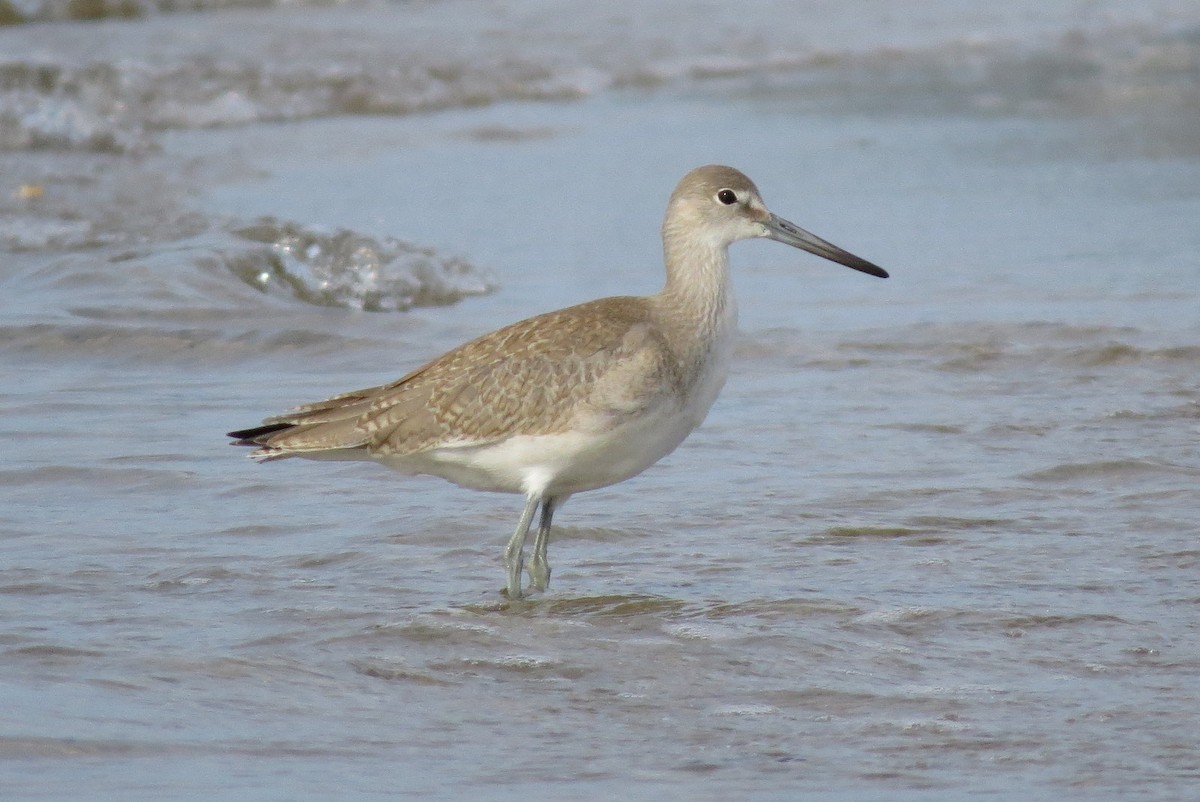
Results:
330 429
257 435
280 440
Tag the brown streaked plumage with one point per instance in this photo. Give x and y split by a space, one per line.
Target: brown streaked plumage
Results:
570 400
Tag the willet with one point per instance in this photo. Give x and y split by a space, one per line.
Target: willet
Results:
566 401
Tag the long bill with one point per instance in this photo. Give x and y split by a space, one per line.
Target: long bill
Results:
781 230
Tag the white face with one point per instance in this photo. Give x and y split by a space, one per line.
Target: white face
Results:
741 213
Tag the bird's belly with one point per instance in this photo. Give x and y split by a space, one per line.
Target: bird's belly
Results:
557 464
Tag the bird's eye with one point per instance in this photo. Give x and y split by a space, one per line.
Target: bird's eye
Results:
727 197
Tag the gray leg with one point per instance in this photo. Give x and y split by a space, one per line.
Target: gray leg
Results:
513 556
539 568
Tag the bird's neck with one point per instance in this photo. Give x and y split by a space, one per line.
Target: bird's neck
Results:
696 305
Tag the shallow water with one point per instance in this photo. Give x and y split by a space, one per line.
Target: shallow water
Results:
938 537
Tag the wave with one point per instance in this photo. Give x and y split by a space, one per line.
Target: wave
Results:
286 260
285 64
18 12
344 268
1121 470
175 298
1000 349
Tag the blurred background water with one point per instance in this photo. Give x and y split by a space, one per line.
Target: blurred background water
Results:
938 537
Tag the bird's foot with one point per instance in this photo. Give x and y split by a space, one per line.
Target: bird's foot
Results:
539 575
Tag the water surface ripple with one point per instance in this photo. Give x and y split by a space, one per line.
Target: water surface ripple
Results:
938 537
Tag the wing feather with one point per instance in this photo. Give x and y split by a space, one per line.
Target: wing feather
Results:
533 377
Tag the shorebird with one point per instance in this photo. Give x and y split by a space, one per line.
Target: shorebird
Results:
571 400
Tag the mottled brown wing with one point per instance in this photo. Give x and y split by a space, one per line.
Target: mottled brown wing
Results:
532 377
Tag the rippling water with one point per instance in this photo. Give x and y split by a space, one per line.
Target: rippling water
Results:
938 536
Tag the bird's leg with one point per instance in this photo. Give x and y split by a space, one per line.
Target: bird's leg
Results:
513 556
539 568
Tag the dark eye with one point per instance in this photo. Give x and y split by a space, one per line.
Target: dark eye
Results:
727 197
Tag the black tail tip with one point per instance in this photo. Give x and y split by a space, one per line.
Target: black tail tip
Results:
253 436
